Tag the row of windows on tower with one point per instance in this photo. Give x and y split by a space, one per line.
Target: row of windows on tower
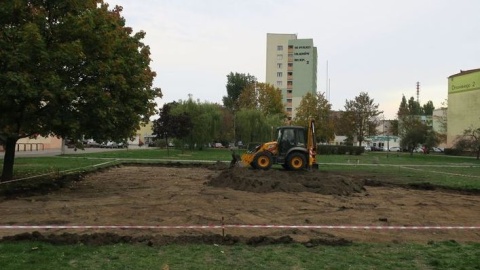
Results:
280 65
289 83
280 74
280 57
280 47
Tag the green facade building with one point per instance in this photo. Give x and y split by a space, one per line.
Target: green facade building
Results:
463 103
292 67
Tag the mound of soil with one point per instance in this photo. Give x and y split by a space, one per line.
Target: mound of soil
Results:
261 181
97 239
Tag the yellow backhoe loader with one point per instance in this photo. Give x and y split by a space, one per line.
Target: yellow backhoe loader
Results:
295 149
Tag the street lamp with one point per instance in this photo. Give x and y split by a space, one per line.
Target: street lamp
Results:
388 136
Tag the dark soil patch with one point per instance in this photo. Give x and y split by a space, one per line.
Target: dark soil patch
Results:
97 239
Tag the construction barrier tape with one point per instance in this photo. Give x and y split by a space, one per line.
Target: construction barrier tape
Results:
167 227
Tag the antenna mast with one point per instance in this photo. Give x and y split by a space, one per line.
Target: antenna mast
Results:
327 86
418 92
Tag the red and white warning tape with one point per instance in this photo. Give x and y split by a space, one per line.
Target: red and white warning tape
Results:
169 227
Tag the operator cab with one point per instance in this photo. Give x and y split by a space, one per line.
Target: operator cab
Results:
290 137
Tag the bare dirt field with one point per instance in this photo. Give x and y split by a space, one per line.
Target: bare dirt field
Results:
203 195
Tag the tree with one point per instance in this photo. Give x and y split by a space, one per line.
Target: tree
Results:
236 83
70 69
428 108
415 134
414 107
360 114
411 130
253 126
318 108
470 141
403 108
206 120
264 97
170 125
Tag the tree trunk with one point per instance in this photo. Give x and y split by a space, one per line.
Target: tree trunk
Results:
9 159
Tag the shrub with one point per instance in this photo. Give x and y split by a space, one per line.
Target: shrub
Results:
453 151
339 150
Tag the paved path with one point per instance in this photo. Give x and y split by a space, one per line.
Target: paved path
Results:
57 152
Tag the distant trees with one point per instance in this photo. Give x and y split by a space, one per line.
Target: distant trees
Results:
255 108
360 116
206 121
170 125
318 108
415 125
70 69
236 83
260 112
254 126
428 108
263 97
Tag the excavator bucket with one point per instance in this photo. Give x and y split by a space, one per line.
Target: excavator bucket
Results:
241 161
236 160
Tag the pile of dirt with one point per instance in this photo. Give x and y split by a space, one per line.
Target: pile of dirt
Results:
98 239
261 181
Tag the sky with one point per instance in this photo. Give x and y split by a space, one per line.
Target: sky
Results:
382 47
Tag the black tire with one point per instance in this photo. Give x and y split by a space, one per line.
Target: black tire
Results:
296 161
263 161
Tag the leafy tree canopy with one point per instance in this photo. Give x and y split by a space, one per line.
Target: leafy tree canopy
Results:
413 107
70 68
264 97
170 125
360 114
206 122
318 108
236 83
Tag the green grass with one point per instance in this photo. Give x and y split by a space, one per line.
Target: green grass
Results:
444 255
400 168
155 154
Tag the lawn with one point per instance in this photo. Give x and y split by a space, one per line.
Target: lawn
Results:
443 255
402 168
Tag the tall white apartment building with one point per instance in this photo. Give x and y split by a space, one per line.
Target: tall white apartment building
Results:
291 67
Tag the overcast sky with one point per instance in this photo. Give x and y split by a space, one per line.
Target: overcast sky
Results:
382 47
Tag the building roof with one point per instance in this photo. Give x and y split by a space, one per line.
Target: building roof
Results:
463 72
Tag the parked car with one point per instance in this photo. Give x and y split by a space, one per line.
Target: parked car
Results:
368 148
92 143
111 144
240 144
418 150
437 150
395 149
